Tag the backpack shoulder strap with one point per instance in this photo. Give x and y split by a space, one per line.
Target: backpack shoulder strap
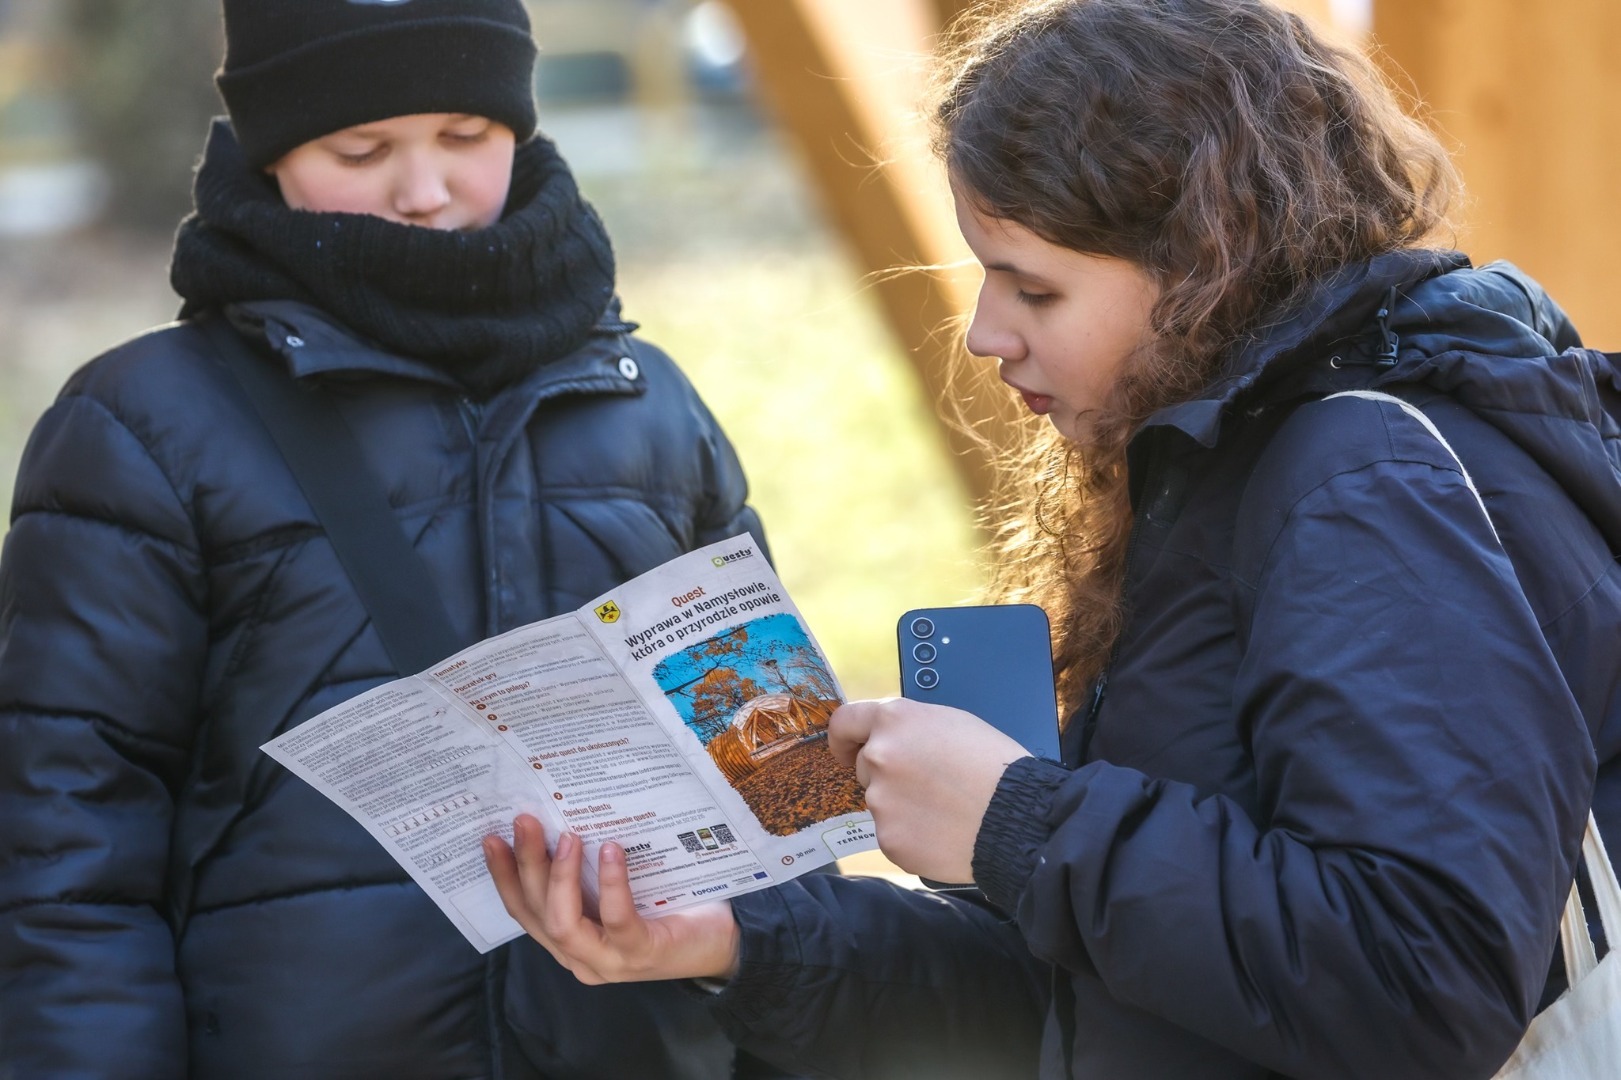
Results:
1429 425
392 580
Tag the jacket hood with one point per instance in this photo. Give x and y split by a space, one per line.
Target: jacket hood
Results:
1490 338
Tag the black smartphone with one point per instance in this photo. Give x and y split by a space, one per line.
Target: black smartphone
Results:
993 660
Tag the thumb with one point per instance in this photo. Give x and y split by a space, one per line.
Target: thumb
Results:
849 728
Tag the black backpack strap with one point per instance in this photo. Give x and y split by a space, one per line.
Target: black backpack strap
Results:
391 578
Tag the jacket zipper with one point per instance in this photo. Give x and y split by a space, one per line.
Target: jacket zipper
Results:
471 415
1100 685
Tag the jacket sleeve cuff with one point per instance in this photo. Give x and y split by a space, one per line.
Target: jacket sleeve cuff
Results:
769 965
1014 828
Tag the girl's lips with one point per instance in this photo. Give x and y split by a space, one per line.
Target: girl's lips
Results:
1040 404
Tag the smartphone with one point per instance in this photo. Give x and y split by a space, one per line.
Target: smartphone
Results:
994 661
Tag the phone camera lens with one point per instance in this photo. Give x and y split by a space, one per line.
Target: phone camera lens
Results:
924 653
922 627
927 678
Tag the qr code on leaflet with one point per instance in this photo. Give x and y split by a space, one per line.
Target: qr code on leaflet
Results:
708 838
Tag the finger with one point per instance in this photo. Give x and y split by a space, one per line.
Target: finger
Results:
863 775
503 867
534 865
849 728
563 906
580 943
616 907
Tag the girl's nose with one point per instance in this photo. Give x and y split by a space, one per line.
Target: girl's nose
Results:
985 338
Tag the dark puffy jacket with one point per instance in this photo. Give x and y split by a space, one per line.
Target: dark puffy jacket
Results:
1324 815
172 902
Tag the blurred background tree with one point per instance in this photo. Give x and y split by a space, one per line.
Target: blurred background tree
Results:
141 86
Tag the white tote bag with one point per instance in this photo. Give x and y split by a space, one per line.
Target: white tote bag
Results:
1578 1037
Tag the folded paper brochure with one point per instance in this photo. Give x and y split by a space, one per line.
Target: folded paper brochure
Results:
682 715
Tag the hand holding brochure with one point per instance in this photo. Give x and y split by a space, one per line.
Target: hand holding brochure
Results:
683 715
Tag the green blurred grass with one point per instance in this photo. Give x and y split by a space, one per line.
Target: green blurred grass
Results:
864 513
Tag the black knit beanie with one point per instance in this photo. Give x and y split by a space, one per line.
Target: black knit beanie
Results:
296 70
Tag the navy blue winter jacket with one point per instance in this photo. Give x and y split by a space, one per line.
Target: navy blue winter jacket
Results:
172 903
1325 813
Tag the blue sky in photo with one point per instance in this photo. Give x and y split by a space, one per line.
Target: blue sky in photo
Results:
777 638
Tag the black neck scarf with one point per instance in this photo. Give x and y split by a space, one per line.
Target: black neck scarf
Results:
486 306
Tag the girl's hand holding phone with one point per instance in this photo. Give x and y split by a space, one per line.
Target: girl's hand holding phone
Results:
929 772
543 895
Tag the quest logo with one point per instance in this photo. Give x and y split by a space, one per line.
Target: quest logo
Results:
732 556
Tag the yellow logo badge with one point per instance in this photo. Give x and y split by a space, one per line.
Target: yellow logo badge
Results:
609 612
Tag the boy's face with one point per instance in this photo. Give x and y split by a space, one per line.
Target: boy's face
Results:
436 170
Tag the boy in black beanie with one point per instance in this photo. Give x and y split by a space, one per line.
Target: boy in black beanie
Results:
378 218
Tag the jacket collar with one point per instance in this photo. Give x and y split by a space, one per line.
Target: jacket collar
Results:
311 344
1289 358
1489 339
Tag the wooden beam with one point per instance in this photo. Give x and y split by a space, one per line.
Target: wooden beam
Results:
1321 11
1528 97
847 78
947 11
1318 11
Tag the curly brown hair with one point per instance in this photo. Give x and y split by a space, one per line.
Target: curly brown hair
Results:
1223 146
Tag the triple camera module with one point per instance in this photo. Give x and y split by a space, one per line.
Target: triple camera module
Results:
924 652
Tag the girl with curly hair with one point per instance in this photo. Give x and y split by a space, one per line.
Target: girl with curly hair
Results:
1332 707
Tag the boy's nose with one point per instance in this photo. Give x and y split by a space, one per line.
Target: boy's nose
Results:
420 192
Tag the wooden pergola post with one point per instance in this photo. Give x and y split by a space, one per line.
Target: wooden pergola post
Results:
1528 97
847 79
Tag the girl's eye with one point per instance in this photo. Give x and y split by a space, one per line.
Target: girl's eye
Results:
467 138
1030 299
